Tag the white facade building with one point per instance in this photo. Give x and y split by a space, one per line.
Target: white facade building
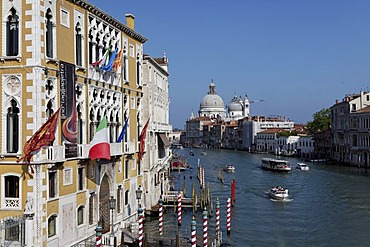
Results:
254 125
156 108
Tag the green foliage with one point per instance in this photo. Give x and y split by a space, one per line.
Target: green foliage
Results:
286 133
320 122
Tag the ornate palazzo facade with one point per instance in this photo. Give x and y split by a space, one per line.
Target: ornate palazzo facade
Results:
59 54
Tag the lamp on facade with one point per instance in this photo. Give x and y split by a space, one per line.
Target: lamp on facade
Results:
112 206
139 192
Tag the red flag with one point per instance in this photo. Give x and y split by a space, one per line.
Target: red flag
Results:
142 141
43 136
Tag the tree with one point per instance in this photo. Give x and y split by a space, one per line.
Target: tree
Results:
320 122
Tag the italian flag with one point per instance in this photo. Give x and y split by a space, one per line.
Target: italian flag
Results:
100 147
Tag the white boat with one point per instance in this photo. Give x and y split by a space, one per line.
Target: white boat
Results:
229 168
278 193
275 165
303 167
203 153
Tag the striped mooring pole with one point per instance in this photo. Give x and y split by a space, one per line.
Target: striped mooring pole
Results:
141 228
193 233
98 231
205 228
228 216
217 218
160 202
179 209
203 183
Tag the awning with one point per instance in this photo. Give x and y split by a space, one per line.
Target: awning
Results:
165 140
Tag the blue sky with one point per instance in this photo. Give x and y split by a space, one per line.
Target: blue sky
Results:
299 56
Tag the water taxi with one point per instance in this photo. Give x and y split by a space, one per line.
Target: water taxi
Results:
275 165
278 193
303 167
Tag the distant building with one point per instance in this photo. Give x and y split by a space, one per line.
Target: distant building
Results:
345 132
253 125
194 130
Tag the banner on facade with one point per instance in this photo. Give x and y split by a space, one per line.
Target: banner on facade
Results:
68 110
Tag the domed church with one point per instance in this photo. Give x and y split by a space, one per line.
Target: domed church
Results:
212 105
238 108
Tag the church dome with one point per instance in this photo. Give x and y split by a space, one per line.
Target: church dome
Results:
212 101
235 105
212 105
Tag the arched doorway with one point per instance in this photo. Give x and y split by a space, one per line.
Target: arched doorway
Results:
104 219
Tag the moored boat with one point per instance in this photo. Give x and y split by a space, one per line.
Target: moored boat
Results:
278 193
275 165
303 166
179 163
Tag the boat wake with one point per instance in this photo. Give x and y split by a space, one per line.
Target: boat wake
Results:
281 200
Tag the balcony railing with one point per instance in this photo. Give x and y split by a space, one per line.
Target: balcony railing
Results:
11 203
56 153
130 147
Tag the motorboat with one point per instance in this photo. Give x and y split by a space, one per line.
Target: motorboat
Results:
275 165
179 163
278 193
303 166
203 153
229 168
191 153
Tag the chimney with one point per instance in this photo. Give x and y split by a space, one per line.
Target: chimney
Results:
130 21
336 101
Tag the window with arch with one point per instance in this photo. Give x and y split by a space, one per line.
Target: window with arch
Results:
80 215
11 191
12 125
91 209
91 46
125 67
92 124
119 198
78 45
12 34
112 128
138 65
52 225
49 34
79 125
12 232
127 192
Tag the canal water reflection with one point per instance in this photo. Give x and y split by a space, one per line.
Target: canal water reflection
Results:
329 206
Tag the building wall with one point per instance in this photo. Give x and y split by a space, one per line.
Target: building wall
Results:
32 79
156 107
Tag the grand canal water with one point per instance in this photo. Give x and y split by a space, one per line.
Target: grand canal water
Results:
330 205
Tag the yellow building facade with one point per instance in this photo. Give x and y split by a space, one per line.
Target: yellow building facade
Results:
71 56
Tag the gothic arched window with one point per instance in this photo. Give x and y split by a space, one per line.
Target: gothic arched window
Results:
78 45
49 34
12 34
12 123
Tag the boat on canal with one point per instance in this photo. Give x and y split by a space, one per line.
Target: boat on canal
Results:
302 166
179 163
275 165
279 193
229 168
